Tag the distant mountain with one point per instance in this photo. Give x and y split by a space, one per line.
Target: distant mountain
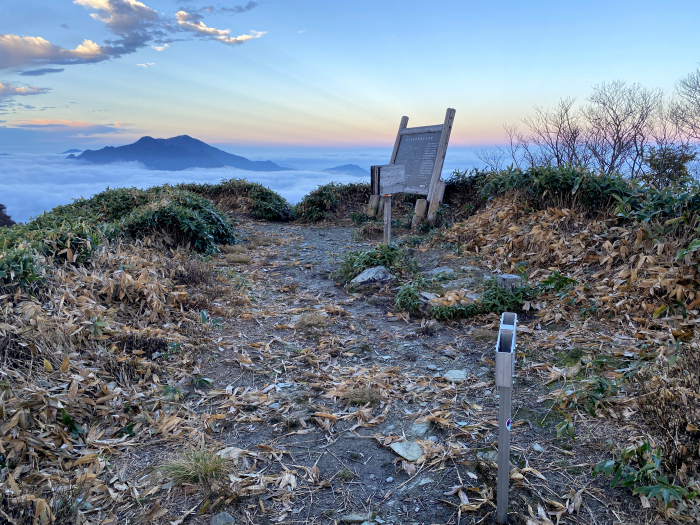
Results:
173 154
71 151
5 154
349 169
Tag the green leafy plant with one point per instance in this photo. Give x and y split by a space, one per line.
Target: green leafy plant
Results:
326 201
640 469
394 258
408 299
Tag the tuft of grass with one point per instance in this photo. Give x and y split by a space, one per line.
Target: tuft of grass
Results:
331 201
362 397
201 465
309 320
345 474
260 241
408 299
234 248
485 336
238 258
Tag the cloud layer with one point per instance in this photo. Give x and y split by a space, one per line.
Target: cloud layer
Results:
10 90
32 184
134 25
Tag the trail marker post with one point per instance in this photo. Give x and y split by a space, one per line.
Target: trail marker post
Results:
505 370
387 219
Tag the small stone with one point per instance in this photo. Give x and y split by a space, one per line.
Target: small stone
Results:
420 429
489 455
352 410
409 450
371 476
223 518
431 367
377 275
510 282
353 518
442 270
487 392
275 406
388 429
389 479
537 448
426 297
455 375
434 439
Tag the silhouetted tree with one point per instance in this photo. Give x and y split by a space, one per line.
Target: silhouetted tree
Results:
4 217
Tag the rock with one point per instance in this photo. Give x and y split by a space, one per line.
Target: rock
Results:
466 283
223 518
377 275
537 448
409 450
434 439
455 375
353 518
510 282
442 270
489 455
420 429
431 367
469 268
389 479
426 297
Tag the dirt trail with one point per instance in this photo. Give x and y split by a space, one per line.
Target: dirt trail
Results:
330 398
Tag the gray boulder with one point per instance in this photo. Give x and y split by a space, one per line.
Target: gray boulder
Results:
442 270
373 276
223 518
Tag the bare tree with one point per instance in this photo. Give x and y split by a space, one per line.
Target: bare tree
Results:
687 109
617 120
492 157
558 135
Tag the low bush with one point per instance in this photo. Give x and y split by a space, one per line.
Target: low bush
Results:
494 299
333 201
248 197
180 218
408 299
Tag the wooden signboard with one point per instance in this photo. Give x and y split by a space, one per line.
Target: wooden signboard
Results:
420 153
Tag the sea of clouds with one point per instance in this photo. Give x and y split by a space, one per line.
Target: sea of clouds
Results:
32 184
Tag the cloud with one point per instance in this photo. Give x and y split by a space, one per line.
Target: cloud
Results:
192 22
65 26
42 71
33 184
9 90
161 48
22 51
67 128
147 64
237 9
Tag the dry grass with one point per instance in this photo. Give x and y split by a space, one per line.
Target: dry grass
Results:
199 465
261 241
311 320
362 397
238 258
234 248
485 336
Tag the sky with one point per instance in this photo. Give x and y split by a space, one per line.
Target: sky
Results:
299 75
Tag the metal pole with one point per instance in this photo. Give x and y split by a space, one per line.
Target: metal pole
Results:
504 406
387 219
505 359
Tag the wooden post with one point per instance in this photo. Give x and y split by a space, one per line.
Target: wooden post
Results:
373 205
387 219
403 125
419 213
435 203
442 150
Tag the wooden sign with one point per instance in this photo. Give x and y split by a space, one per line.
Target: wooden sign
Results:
392 179
419 154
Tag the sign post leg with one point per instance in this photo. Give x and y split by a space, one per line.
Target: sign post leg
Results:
387 220
504 421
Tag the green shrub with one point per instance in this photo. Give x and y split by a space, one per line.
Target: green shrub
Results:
408 299
326 201
183 218
393 258
494 299
19 267
261 202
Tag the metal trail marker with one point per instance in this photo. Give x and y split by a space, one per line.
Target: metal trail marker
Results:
505 370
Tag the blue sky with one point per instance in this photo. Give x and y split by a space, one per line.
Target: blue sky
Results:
316 73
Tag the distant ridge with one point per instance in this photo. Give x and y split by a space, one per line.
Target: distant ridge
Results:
71 151
174 154
349 169
5 154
